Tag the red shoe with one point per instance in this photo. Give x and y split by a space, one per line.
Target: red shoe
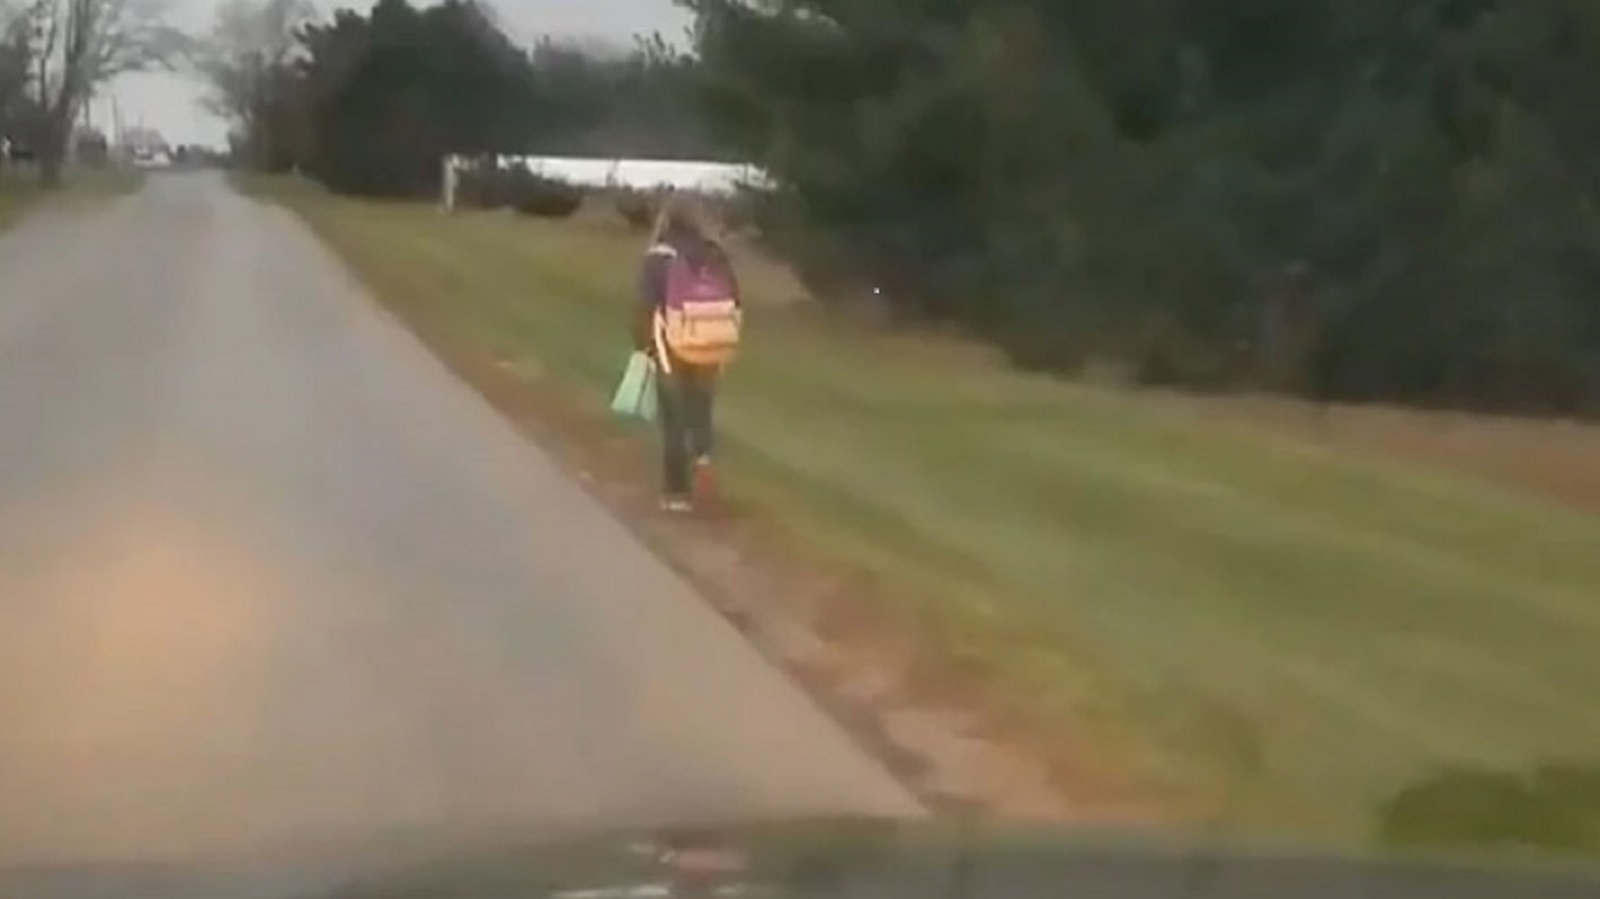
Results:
705 480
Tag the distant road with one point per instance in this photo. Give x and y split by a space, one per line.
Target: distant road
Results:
269 576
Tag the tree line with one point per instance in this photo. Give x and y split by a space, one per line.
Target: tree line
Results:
54 56
1343 199
1358 199
370 103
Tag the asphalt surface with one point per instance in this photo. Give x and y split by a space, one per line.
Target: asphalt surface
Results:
270 577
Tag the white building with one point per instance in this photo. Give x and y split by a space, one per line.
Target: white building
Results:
639 174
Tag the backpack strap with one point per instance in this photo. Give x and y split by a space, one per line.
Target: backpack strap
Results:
668 252
658 337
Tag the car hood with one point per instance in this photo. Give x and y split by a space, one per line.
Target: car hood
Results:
832 858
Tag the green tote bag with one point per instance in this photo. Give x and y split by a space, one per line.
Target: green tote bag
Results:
636 393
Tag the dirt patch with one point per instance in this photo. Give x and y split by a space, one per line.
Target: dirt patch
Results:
949 736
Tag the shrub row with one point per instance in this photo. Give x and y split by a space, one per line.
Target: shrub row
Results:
487 186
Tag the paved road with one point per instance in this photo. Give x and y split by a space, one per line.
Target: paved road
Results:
270 576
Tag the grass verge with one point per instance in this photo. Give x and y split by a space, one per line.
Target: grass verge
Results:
17 196
20 190
1285 638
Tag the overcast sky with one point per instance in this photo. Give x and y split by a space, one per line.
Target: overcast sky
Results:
170 104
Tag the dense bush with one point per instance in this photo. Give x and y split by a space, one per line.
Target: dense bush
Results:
637 207
1387 199
485 185
547 197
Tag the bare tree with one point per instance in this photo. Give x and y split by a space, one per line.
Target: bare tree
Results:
246 58
80 45
16 72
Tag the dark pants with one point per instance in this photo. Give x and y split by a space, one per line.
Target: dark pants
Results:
683 400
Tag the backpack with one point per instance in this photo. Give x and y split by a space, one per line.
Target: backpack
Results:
700 317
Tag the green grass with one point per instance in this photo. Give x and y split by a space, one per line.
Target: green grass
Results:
1316 631
108 181
20 190
17 196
